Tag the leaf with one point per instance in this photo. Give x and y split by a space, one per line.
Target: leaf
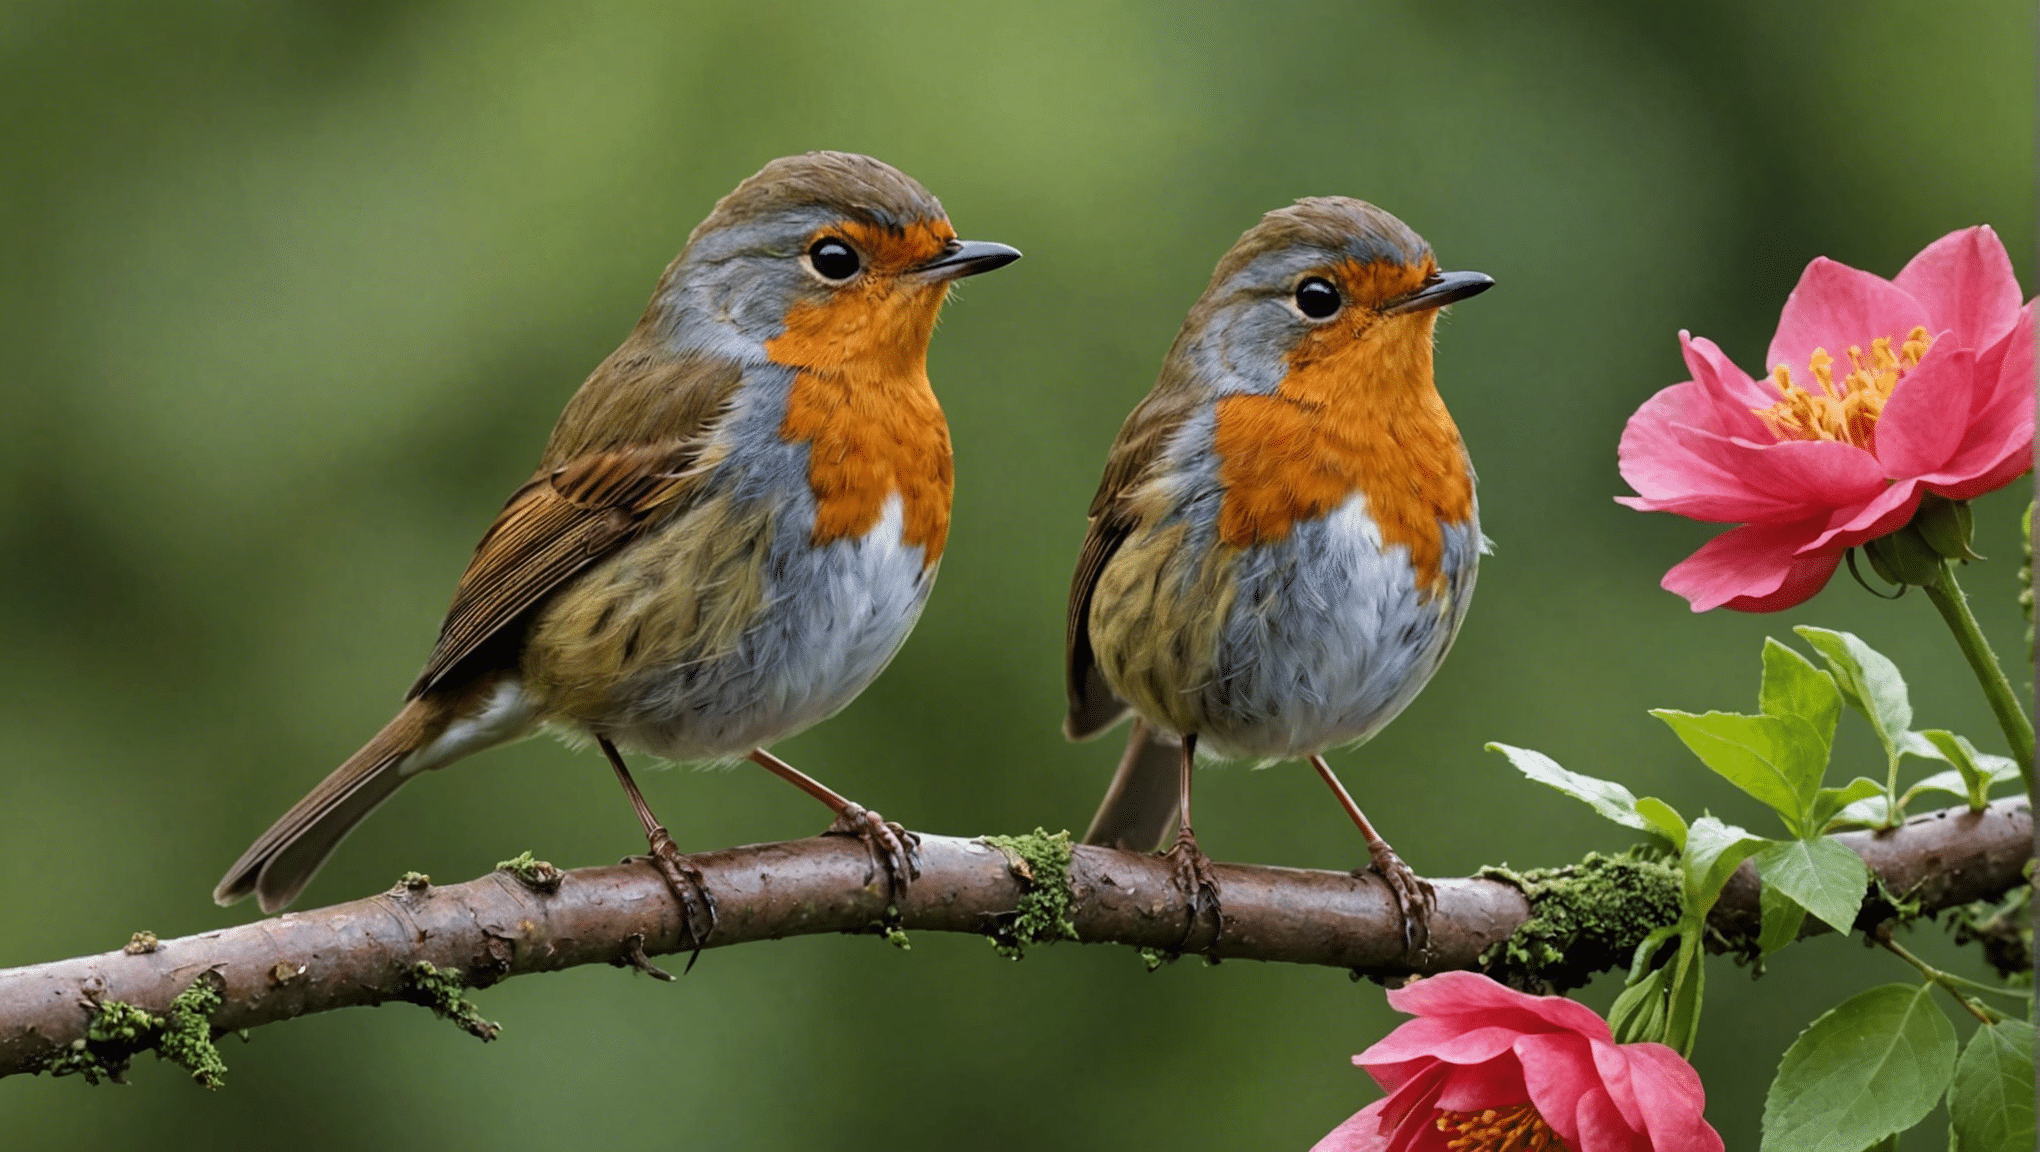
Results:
1831 802
1868 680
1713 850
1874 1065
1783 917
1604 796
1777 759
1638 1014
1663 820
1990 1104
1950 782
1977 775
1819 874
1689 985
1870 812
1794 687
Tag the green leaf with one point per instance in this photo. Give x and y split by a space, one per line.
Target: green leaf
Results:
1777 759
1819 874
1604 796
1794 687
1713 849
1663 820
1830 802
1875 1065
1868 680
1975 768
1990 1104
1949 782
1870 811
1689 985
1783 917
1638 1014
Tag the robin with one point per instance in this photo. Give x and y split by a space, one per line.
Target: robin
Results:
1285 539
733 527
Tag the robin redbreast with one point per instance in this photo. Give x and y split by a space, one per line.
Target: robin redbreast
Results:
1285 539
733 527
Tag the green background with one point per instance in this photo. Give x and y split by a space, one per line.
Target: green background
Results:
293 292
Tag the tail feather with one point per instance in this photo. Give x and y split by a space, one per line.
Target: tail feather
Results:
284 859
1140 809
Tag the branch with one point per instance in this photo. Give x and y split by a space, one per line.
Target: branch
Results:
425 943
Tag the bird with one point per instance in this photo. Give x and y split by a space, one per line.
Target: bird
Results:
1285 539
733 527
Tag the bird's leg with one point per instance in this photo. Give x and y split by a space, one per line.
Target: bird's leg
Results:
697 905
1414 896
1193 867
892 847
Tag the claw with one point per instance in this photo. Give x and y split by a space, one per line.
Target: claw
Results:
891 847
1414 896
1199 886
697 903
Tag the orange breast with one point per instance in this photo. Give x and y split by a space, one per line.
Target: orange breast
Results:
1356 413
862 404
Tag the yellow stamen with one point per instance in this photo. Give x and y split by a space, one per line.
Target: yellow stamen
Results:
1845 410
1517 1128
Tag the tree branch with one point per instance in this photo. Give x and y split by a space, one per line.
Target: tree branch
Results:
423 943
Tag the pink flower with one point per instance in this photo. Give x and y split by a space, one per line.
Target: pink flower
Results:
1482 1065
1880 392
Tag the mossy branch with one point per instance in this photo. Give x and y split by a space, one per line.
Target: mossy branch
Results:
432 945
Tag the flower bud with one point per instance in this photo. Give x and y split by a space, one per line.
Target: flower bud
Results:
1905 557
1946 526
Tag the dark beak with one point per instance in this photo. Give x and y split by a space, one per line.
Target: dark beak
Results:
968 258
1440 290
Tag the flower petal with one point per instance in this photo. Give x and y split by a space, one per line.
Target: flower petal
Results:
1997 447
1452 1039
1887 512
1360 1133
1672 1098
1558 1069
1928 414
1965 282
1613 1068
1754 568
1491 1085
1602 1127
1732 394
1835 306
1799 477
1464 993
1669 476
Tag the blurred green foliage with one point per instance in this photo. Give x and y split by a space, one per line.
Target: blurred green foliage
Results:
294 291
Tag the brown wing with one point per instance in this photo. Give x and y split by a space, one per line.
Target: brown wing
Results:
1093 707
582 508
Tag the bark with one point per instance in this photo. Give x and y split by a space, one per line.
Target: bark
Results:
371 951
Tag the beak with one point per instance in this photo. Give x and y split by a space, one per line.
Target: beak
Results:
1440 290
968 258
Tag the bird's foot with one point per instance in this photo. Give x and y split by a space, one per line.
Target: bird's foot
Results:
893 849
1198 885
697 903
1414 896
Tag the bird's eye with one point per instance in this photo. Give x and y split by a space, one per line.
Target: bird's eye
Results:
1316 298
834 259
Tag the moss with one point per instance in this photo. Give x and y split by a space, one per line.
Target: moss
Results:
187 1032
537 875
413 882
896 936
442 990
1584 918
1041 862
142 943
119 1031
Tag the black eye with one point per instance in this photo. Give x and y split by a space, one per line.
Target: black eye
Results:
1316 298
832 258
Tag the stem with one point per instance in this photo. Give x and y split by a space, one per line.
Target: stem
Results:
1934 975
2011 711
